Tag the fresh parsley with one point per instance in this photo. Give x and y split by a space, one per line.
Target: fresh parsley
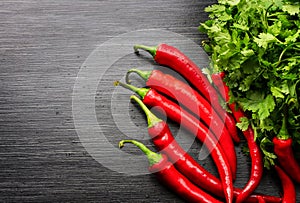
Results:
256 43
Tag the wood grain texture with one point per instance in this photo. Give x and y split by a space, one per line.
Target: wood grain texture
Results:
43 44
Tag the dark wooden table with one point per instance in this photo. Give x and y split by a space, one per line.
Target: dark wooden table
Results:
44 157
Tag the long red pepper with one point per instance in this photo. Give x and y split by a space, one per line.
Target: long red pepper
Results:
164 141
217 79
192 100
256 161
289 192
168 175
173 58
151 98
255 153
286 158
223 90
284 152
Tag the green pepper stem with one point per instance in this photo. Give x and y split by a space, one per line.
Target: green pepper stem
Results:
151 50
283 133
140 91
153 157
143 74
151 118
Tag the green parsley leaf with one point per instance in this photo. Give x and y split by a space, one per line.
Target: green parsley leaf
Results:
291 9
264 39
259 104
243 124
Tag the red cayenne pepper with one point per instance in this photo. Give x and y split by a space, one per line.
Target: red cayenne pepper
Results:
289 192
168 175
255 153
151 98
173 58
223 90
192 100
165 142
217 79
284 152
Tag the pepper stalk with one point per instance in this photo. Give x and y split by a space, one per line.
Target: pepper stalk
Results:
153 157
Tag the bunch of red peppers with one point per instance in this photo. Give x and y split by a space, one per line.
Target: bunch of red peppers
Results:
196 106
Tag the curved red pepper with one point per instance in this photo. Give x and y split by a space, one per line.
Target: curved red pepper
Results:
170 177
186 163
193 101
289 192
286 158
217 79
173 58
255 153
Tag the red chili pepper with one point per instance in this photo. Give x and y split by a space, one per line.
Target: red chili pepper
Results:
255 153
170 177
289 192
286 158
165 142
173 58
152 98
223 90
193 101
284 152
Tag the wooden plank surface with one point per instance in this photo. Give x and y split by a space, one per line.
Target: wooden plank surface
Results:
43 45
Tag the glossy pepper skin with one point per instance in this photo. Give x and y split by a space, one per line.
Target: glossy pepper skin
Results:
161 130
217 79
286 158
261 200
165 142
193 101
173 58
168 175
289 192
255 153
222 88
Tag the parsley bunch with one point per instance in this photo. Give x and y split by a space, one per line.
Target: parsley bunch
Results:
256 43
